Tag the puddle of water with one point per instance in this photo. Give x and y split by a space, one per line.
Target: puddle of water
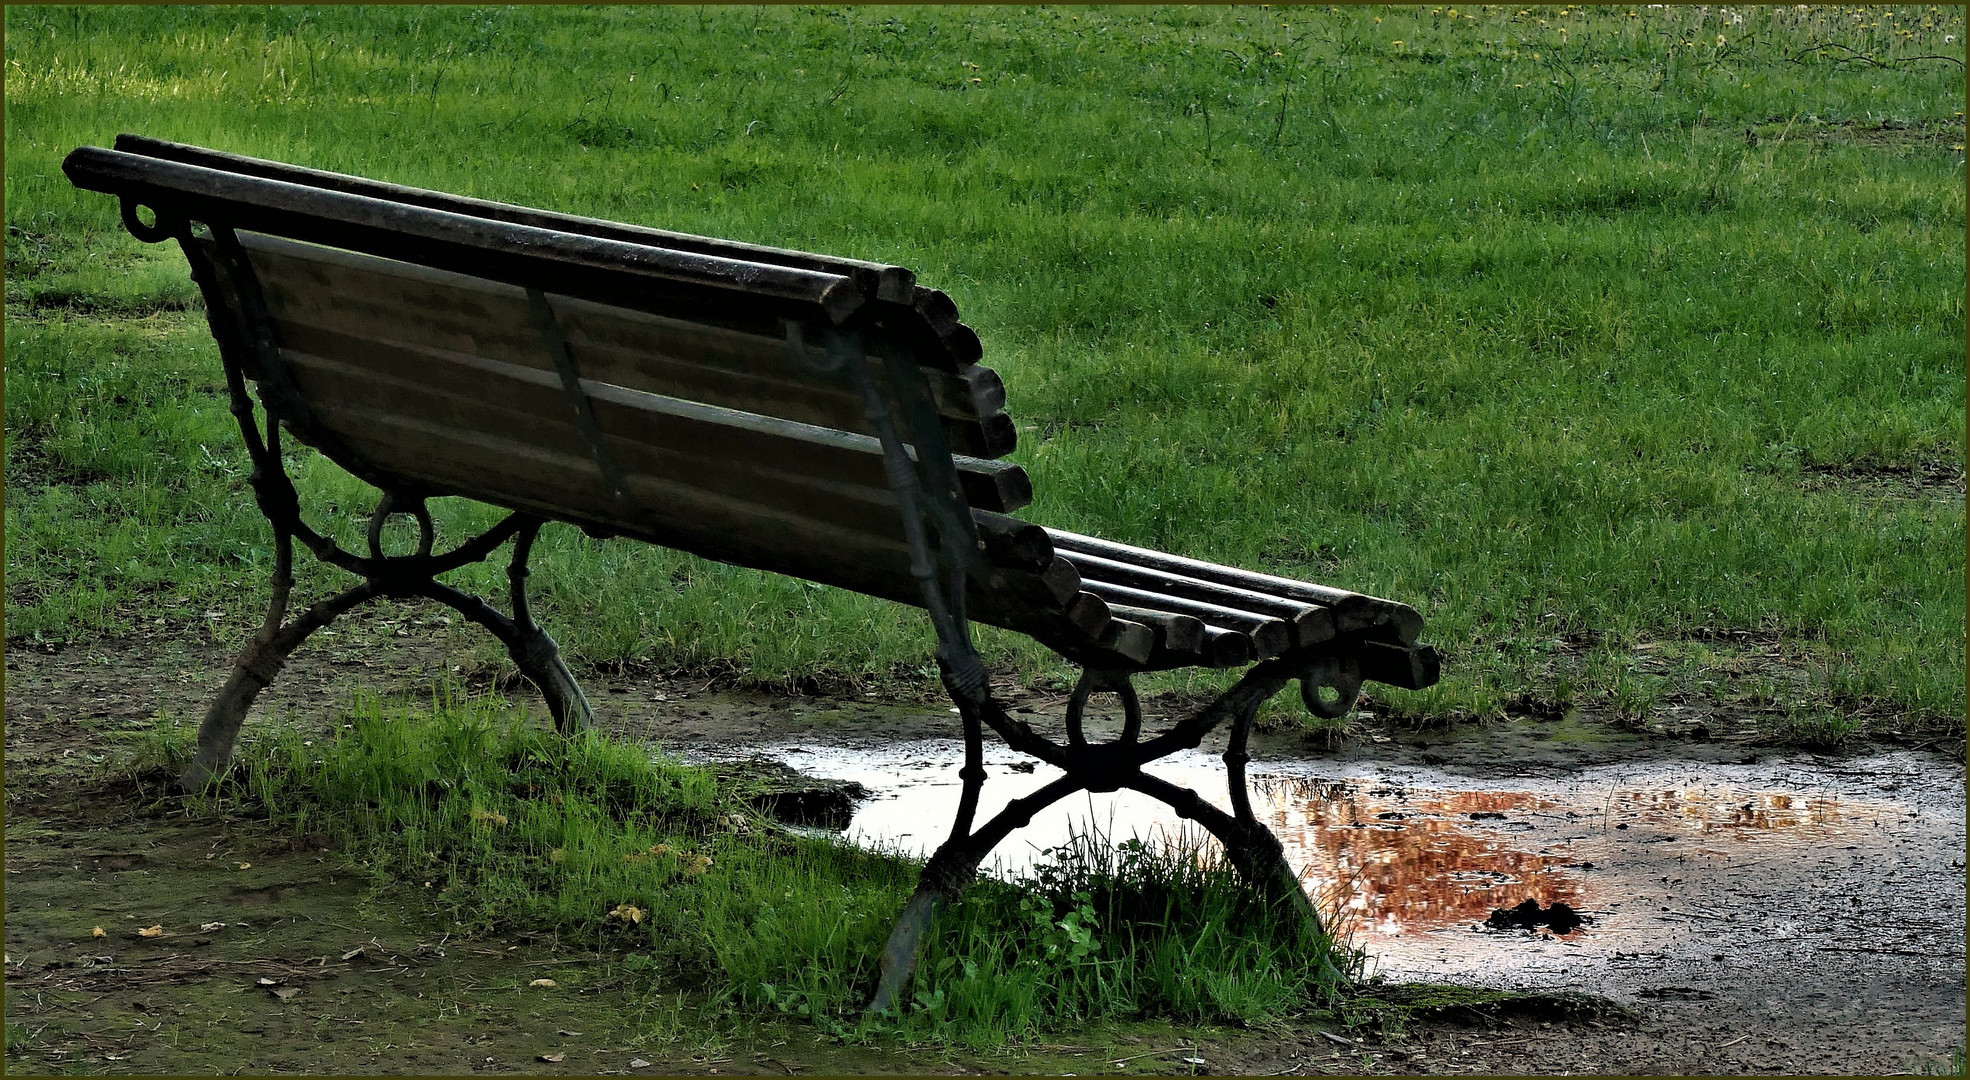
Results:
1685 871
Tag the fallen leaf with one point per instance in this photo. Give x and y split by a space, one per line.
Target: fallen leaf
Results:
543 982
246 866
99 932
552 1057
628 913
211 926
151 931
264 981
285 992
638 1063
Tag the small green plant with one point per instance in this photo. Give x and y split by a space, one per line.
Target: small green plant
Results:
1813 727
1955 1066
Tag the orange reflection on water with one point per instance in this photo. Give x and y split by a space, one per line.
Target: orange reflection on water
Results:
1711 812
1391 864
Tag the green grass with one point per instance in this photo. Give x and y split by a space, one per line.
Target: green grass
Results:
1555 323
1955 1066
494 825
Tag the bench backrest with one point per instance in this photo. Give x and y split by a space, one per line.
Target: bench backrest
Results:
723 441
708 412
629 380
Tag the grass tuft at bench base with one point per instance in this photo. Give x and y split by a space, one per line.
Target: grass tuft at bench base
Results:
498 826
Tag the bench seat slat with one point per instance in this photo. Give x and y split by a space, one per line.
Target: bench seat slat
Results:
1310 624
1353 611
1174 633
1270 636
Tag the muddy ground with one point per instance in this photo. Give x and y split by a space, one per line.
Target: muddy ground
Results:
312 973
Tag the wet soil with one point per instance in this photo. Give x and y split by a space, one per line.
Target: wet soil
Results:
1860 973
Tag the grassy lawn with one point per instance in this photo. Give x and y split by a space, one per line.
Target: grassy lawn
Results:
1626 344
1611 339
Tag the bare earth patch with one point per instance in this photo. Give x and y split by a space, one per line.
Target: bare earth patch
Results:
309 973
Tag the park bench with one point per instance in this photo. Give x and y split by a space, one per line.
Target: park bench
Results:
820 417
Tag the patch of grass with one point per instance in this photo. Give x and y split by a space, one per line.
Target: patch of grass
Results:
502 827
1543 320
1956 1066
1127 930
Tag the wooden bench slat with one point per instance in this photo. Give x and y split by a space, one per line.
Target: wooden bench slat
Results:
353 403
611 271
1270 636
370 417
1222 648
954 343
1352 611
1410 666
317 295
1013 543
1311 624
878 280
1174 633
457 382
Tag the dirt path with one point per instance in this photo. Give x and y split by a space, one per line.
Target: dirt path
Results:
1866 983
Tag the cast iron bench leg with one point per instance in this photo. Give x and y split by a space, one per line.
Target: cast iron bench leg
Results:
260 661
1254 852
266 652
532 650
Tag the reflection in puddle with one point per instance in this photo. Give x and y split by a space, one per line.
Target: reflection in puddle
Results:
1389 862
1390 858
1689 873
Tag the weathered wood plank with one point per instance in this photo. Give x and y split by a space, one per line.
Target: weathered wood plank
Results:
337 303
876 280
1311 623
468 392
1174 633
1270 636
610 271
1352 611
1411 667
1013 543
